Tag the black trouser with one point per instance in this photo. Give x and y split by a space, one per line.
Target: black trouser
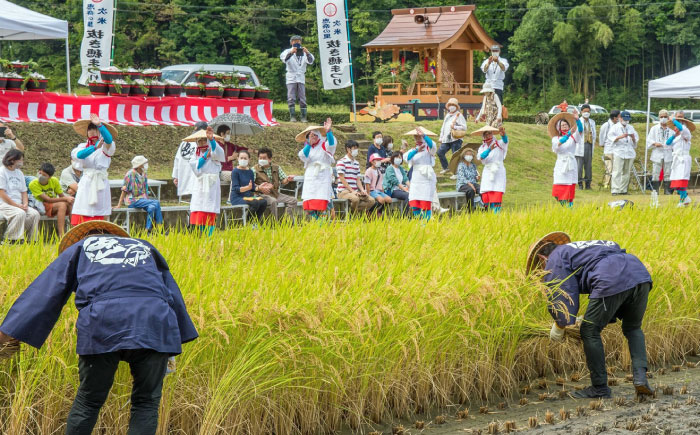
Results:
96 377
401 196
499 92
585 163
471 193
257 208
628 306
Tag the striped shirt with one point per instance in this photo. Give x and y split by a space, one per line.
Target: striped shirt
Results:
350 168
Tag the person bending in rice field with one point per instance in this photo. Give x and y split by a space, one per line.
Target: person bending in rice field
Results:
618 286
130 309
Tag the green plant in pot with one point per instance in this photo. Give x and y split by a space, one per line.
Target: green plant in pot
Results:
214 89
5 65
34 82
98 87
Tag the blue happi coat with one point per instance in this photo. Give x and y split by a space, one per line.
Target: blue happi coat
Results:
598 268
124 292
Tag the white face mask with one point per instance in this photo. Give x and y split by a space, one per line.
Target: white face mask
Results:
469 157
77 166
452 109
263 162
354 152
227 138
390 145
145 166
398 161
378 141
586 115
623 122
243 163
18 165
377 163
663 120
495 54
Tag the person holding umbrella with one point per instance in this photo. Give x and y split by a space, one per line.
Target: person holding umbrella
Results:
492 153
565 138
206 165
317 156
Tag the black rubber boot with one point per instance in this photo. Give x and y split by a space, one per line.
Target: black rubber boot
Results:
580 185
588 185
641 385
292 115
667 188
303 114
593 392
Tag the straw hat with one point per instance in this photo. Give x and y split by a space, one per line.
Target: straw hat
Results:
533 262
423 129
487 87
687 122
199 134
81 127
138 161
459 155
79 232
301 137
484 129
552 126
452 102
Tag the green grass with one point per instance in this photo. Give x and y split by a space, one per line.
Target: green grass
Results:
309 329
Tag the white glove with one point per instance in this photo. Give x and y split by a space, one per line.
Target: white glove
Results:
557 333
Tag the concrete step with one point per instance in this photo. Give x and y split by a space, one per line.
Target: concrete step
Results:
346 128
356 136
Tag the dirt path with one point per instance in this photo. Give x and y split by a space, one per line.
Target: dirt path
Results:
676 413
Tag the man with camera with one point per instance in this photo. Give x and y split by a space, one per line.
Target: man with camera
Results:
495 68
296 59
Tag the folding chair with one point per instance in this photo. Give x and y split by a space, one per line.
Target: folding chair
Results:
606 173
642 176
697 163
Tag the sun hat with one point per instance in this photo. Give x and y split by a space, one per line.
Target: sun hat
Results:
423 129
687 122
138 161
81 127
459 155
199 134
452 102
487 87
552 127
533 261
79 232
301 137
374 157
483 130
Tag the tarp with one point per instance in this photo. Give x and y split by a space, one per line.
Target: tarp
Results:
683 84
66 109
18 23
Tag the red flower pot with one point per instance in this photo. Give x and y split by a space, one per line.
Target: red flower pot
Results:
193 91
215 92
113 91
231 92
109 76
153 76
3 82
262 94
37 86
156 91
13 84
134 75
19 68
173 90
139 91
247 93
204 78
99 89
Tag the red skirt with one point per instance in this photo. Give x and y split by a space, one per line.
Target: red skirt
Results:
423 205
202 218
77 219
492 197
564 192
679 184
315 205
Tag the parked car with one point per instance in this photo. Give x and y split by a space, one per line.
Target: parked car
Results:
577 108
594 108
556 109
185 73
652 115
693 115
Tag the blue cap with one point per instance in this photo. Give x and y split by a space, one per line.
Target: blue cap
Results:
625 115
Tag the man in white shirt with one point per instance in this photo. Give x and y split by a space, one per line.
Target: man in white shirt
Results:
296 59
495 68
604 142
661 154
624 140
584 150
8 141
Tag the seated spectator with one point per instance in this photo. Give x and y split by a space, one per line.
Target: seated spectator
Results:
70 177
14 200
350 185
468 177
46 189
135 193
231 151
375 180
243 188
396 180
269 178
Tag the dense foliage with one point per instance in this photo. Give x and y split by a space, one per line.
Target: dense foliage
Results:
602 49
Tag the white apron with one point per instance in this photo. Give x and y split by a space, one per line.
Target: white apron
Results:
680 169
182 169
93 197
318 174
423 180
566 168
206 189
493 176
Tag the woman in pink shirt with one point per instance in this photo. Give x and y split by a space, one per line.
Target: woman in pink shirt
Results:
374 181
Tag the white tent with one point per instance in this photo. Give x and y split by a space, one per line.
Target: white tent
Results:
20 24
683 84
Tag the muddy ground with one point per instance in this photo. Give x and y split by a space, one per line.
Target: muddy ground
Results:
675 412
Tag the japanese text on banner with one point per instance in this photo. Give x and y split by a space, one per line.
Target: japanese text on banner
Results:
98 16
333 44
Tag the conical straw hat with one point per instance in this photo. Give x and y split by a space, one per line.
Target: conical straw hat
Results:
78 232
81 126
533 262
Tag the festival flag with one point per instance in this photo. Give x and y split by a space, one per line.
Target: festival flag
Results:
95 51
333 44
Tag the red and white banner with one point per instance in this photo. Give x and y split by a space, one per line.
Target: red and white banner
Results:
66 109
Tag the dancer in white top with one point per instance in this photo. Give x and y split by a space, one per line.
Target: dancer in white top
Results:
318 158
680 169
492 153
564 143
206 193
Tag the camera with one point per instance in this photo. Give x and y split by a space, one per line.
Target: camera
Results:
300 50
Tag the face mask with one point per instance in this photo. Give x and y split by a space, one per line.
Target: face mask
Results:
76 166
663 120
586 115
42 178
452 109
227 138
377 163
243 163
495 55
145 166
18 165
378 141
390 145
468 157
263 162
354 152
623 122
397 162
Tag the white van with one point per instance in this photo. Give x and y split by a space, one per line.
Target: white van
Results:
185 73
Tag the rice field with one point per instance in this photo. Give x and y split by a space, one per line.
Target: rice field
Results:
313 329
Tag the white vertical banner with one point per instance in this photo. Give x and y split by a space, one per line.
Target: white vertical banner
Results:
333 44
95 51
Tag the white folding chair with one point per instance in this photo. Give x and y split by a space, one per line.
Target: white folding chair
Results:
697 163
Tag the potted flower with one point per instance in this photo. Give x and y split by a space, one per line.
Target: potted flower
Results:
111 73
152 73
262 92
214 90
119 88
3 80
247 92
35 82
204 77
98 88
139 88
172 88
241 78
133 74
156 88
193 89
20 67
14 81
231 90
5 65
